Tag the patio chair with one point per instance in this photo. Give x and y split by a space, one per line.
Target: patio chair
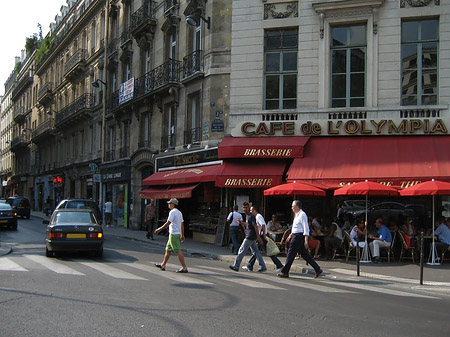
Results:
444 250
350 246
389 249
340 249
405 248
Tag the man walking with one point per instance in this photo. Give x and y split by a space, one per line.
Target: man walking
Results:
108 213
234 218
251 237
175 222
299 241
262 228
149 218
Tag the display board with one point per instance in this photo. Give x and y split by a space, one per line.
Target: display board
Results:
221 226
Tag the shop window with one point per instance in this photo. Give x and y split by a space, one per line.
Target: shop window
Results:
420 44
348 66
280 70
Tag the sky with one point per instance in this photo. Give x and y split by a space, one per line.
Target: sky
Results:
18 20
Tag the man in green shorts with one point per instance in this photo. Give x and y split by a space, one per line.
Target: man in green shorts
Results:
175 223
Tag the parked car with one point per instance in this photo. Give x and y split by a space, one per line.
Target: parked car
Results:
8 217
353 206
80 204
73 230
386 210
21 205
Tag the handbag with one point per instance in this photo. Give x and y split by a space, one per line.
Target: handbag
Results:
271 248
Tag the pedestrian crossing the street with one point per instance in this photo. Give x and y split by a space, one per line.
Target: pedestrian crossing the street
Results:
199 275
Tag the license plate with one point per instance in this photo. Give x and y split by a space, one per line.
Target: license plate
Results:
76 236
3 221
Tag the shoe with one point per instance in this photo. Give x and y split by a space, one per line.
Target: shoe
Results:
320 271
233 268
246 268
148 236
376 259
279 270
182 271
283 275
160 266
262 270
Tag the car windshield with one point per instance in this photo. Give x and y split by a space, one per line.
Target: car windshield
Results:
5 207
78 217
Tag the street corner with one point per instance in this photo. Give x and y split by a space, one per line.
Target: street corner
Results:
5 250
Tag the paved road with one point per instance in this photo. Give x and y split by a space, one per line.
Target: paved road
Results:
124 294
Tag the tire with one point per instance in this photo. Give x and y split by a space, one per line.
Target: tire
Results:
99 253
14 227
48 253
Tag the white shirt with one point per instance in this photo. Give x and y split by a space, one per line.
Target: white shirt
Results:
300 224
176 219
338 231
108 207
260 222
236 216
317 224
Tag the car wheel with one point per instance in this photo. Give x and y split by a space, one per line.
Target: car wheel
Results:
99 253
14 227
48 253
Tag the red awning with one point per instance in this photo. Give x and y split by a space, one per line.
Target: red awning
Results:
251 173
179 192
183 176
398 161
262 147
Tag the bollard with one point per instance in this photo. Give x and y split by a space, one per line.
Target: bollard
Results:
421 258
357 256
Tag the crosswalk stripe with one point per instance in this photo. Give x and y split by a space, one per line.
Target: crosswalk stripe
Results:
235 279
7 264
182 278
53 265
382 290
110 271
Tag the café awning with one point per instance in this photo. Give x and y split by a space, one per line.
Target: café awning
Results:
251 173
397 161
262 147
178 192
190 175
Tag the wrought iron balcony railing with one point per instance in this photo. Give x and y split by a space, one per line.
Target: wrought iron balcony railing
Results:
168 141
169 4
46 89
192 136
125 36
19 113
75 60
83 102
192 63
143 15
42 128
113 47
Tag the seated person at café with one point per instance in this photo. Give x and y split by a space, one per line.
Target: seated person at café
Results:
441 233
333 240
382 239
316 221
410 231
284 240
313 243
358 234
347 223
274 224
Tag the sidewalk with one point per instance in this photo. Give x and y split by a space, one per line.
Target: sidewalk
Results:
338 267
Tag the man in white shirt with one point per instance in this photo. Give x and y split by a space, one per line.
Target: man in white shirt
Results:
234 218
299 241
175 222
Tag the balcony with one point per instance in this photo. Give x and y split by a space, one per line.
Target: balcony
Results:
75 112
193 64
19 143
42 131
143 21
75 65
156 80
193 136
169 6
19 114
168 142
45 93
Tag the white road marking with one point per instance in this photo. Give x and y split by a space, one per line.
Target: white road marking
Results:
182 278
53 265
110 271
7 264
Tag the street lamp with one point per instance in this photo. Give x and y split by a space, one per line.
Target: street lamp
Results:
96 83
192 20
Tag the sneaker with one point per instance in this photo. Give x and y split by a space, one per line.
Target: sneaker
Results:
279 270
233 268
246 268
262 270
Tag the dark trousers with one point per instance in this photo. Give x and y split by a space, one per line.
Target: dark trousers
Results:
297 245
274 258
150 224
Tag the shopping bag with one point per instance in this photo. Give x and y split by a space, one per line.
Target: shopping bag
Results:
271 248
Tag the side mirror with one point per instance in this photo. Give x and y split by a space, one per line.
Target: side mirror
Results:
45 222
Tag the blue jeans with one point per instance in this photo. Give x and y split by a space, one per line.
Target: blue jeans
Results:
274 258
246 244
234 231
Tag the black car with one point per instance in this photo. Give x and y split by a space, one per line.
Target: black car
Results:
73 230
82 204
387 211
8 217
21 205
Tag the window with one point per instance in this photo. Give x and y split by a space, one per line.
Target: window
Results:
348 66
280 72
420 43
193 132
